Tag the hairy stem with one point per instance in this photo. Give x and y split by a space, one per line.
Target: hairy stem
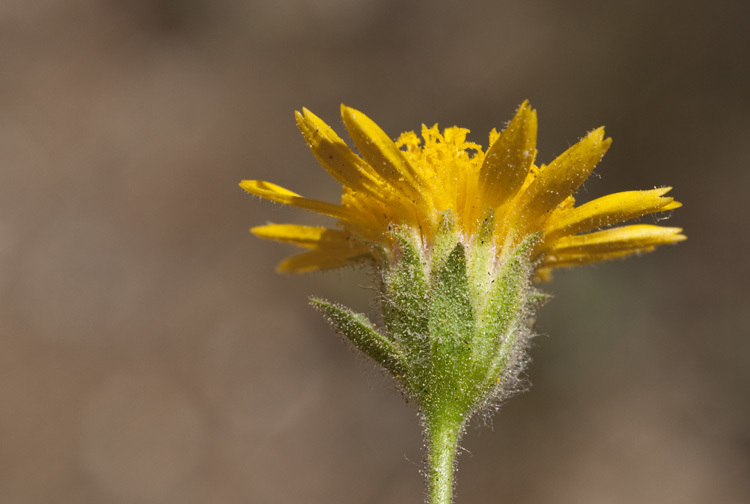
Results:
443 434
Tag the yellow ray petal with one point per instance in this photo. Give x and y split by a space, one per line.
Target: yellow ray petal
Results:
319 260
381 153
608 210
508 159
408 185
618 239
568 260
278 194
564 175
312 237
335 156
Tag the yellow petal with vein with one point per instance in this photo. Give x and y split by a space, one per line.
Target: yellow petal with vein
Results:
608 210
335 156
507 161
278 194
318 260
381 153
617 239
579 259
312 237
564 175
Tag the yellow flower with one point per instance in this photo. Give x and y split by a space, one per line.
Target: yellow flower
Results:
408 185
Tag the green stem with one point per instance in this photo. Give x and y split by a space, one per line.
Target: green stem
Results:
444 432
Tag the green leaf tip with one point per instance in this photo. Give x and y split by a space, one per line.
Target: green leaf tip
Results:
358 329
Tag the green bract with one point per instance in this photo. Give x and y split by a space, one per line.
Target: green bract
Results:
455 327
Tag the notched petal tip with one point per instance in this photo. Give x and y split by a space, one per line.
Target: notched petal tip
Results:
636 236
671 203
607 211
261 188
303 113
284 196
592 147
678 236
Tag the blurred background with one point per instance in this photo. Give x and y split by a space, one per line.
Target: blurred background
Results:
149 353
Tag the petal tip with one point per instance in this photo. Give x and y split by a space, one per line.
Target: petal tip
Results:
247 184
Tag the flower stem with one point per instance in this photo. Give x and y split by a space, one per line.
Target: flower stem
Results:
444 432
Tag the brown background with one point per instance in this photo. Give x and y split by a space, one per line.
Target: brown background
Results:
149 354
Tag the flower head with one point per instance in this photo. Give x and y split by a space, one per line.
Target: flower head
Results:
456 234
499 195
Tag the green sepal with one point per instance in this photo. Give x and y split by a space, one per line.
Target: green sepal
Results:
451 318
451 325
404 297
508 305
358 329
